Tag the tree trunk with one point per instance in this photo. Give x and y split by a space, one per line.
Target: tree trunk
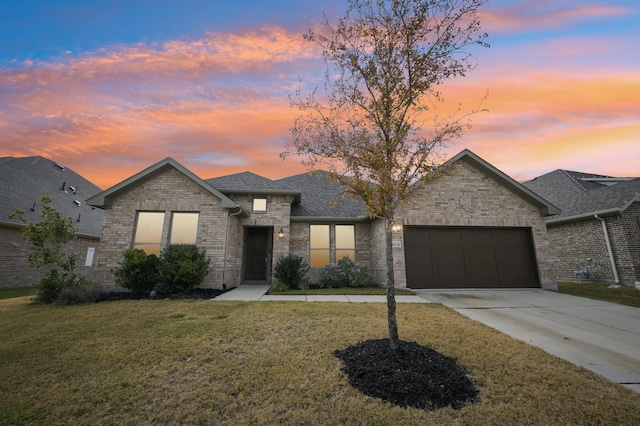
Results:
394 340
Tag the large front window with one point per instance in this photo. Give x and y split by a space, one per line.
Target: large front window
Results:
345 242
319 245
330 243
184 228
148 235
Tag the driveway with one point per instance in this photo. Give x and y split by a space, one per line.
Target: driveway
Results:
600 336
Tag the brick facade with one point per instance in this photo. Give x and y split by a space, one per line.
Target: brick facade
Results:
14 251
582 244
167 192
465 196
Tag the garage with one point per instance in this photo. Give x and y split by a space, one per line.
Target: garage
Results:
469 257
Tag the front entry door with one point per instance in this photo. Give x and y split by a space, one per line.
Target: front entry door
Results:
257 253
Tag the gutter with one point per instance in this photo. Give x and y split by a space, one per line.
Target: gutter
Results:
226 246
557 221
609 249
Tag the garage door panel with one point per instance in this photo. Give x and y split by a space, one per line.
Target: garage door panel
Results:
441 257
422 277
482 266
448 265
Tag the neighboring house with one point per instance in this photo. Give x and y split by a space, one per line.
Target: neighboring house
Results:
23 183
597 235
472 226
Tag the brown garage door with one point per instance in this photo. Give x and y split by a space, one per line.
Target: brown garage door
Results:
443 257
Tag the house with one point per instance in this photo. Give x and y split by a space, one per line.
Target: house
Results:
596 236
24 182
471 226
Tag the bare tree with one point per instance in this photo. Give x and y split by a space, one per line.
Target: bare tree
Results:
385 62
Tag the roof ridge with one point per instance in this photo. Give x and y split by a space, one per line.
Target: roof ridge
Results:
574 180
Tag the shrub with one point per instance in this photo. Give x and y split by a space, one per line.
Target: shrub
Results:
138 272
79 294
182 268
332 277
346 273
53 282
291 270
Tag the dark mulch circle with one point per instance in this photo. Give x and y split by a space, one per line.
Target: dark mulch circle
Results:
412 376
195 294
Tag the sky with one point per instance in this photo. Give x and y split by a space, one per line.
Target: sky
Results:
110 87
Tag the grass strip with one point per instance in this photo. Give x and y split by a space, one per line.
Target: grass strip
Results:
622 295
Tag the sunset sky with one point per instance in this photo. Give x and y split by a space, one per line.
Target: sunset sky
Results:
109 87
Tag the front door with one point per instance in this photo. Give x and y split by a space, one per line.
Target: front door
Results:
257 253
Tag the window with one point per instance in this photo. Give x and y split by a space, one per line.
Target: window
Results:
320 244
345 242
259 205
149 232
319 247
184 228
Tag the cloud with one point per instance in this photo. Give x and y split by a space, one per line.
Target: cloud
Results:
545 14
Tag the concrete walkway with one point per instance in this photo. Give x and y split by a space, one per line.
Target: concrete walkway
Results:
259 293
600 336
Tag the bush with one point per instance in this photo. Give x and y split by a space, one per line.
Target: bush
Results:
332 277
138 272
291 270
182 268
346 273
53 282
80 294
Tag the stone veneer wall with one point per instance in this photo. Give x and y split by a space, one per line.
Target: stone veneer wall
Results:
170 191
626 239
465 196
14 265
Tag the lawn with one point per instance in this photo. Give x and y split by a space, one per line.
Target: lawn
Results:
204 362
8 293
623 295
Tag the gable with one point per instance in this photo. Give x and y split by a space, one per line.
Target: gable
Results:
105 198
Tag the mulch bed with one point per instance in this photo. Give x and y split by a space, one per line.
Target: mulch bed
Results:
195 294
413 376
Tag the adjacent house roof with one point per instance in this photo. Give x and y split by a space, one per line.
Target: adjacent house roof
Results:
24 182
580 195
322 199
105 198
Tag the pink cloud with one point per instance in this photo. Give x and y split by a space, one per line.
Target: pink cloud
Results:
539 14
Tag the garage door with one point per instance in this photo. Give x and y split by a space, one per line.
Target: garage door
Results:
443 257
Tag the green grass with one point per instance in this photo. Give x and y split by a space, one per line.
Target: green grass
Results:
204 362
622 295
343 290
8 293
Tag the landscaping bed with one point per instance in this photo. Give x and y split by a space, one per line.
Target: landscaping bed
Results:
195 294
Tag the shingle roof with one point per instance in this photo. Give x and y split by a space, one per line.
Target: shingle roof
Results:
25 180
579 194
322 198
246 182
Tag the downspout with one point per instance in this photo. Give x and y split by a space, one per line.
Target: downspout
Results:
609 249
226 248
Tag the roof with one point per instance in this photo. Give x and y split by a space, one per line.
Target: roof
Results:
545 206
580 195
322 199
105 198
249 183
26 180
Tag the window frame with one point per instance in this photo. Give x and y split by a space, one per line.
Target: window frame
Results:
332 248
138 244
253 204
172 228
319 249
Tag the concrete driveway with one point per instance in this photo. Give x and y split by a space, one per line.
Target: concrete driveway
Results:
600 336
